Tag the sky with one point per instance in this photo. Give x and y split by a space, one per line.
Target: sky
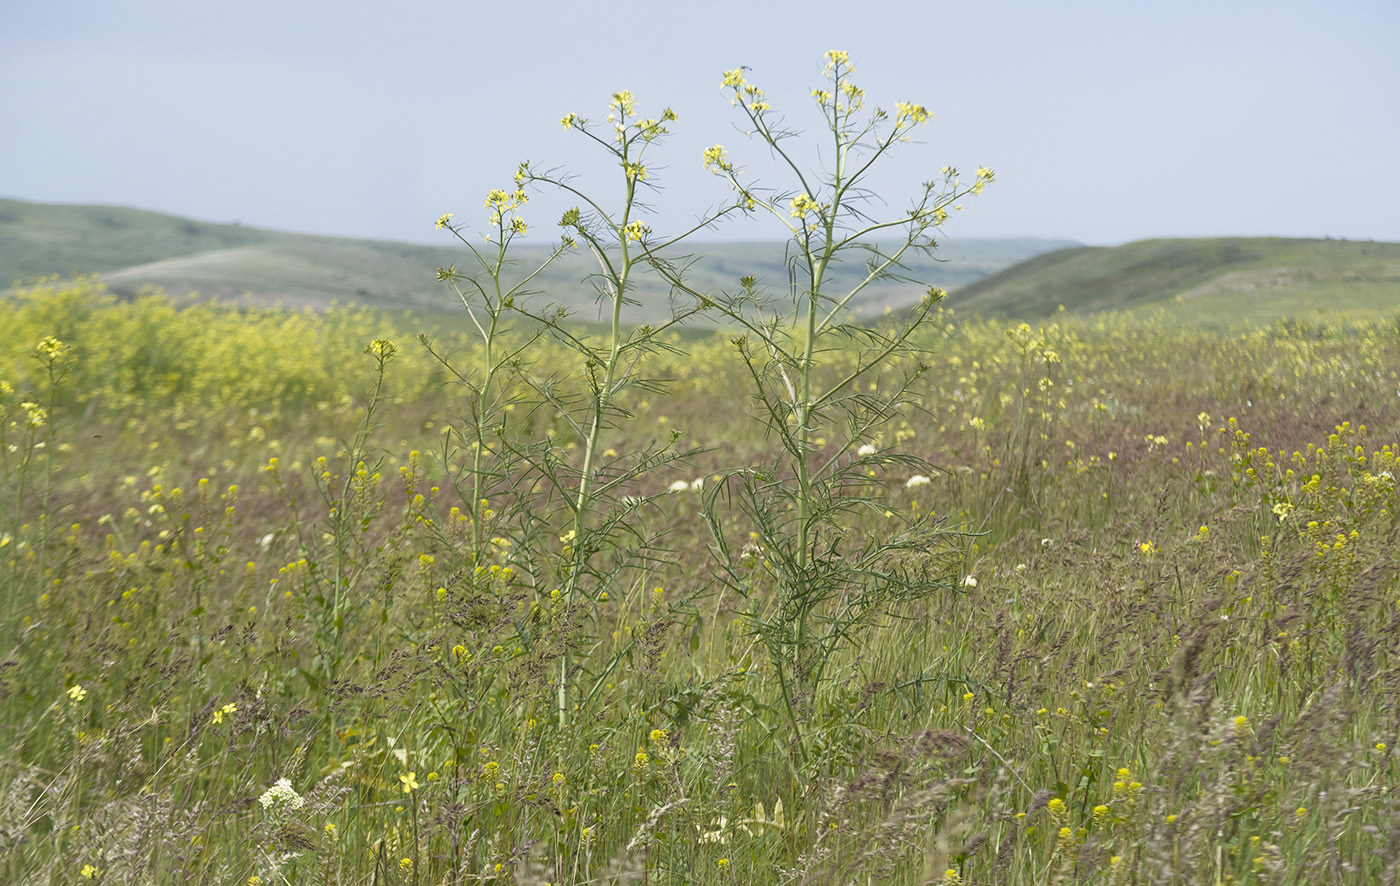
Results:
1106 122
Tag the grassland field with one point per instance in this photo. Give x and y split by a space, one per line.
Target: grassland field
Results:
260 627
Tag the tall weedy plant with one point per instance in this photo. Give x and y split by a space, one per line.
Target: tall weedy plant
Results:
579 525
813 371
826 387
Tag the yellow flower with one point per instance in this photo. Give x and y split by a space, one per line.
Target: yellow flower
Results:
220 712
51 350
622 102
444 220
88 872
714 157
722 863
410 782
801 205
913 114
77 693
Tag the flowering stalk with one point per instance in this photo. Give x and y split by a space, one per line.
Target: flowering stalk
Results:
619 243
824 220
614 240
486 304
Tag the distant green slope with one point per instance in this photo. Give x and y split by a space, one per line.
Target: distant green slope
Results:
135 249
40 239
1216 281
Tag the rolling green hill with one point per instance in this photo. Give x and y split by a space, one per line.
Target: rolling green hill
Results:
1216 281
134 249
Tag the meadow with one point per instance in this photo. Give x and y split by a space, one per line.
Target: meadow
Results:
737 584
261 629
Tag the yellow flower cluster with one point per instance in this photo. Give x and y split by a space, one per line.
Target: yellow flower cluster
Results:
910 114
716 161
837 58
803 204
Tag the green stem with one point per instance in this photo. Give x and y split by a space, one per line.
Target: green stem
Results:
483 415
602 401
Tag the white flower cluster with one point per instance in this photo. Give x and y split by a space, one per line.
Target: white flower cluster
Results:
282 796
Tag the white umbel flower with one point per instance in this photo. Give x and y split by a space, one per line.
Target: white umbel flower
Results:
281 796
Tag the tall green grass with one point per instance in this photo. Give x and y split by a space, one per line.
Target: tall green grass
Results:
1169 654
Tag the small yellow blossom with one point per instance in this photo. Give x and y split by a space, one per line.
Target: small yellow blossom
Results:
803 204
409 781
836 57
910 113
715 161
77 693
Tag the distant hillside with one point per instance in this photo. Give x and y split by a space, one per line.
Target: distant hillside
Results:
134 249
1214 281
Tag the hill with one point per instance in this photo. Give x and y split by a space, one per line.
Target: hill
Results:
1217 281
135 249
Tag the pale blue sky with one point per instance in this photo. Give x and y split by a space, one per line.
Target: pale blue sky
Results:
1105 121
